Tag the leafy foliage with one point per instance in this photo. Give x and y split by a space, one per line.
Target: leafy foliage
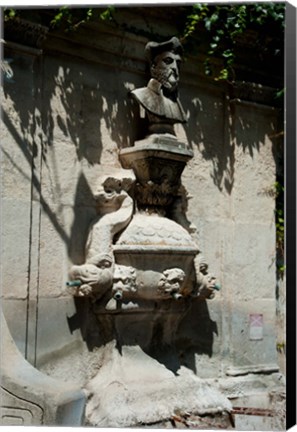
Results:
224 24
67 18
71 19
9 14
280 227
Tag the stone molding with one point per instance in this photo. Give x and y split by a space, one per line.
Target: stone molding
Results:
252 369
25 32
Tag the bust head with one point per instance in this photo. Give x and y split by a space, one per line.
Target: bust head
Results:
165 69
160 98
165 59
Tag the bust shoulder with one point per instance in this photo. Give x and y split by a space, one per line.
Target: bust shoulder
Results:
150 97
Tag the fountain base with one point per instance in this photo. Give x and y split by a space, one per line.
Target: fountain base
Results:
133 389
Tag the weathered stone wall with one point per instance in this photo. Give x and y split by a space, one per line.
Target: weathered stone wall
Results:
65 116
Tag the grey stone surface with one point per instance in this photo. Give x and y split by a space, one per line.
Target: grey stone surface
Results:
15 246
29 397
17 328
55 330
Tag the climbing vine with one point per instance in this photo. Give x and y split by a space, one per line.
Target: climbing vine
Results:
66 18
280 228
71 19
225 24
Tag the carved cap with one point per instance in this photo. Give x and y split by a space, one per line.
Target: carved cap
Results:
152 49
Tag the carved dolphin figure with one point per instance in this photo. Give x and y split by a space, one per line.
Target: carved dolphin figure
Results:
95 279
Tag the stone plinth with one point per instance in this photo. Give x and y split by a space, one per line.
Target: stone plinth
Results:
157 158
158 162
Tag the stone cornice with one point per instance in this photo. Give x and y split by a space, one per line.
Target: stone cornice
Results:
25 32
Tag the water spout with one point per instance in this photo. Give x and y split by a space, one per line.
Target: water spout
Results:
74 283
176 296
118 295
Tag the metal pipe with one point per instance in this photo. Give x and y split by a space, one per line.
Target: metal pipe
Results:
73 283
118 295
176 296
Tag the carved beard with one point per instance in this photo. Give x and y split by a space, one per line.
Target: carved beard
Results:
167 78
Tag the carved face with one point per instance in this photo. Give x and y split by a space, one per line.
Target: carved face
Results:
203 267
172 280
109 195
87 273
124 279
165 69
106 261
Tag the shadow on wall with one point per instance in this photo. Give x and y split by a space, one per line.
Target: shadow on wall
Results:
208 129
60 99
90 108
84 214
216 127
54 102
195 334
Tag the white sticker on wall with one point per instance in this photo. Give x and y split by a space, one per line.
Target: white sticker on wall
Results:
256 326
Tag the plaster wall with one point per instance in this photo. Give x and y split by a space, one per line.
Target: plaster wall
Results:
65 116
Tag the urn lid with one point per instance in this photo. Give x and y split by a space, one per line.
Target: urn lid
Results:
154 231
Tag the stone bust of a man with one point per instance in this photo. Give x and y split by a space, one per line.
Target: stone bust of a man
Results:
160 97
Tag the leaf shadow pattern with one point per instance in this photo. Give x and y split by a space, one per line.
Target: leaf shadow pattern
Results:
55 101
29 130
218 125
208 130
84 213
91 108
